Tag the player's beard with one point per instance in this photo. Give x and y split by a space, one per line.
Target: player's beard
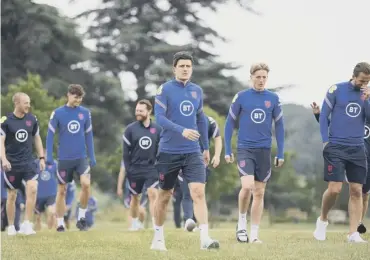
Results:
141 118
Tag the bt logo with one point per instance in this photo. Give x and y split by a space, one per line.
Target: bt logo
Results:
145 142
186 108
21 135
258 116
73 126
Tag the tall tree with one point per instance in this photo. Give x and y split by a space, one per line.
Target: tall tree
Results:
129 37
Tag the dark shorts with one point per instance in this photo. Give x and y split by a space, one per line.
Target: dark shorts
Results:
140 181
342 162
13 178
169 165
255 161
43 203
66 168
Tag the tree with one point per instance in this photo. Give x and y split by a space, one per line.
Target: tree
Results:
36 39
130 37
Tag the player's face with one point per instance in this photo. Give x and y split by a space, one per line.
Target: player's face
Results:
24 104
183 70
141 112
74 100
259 79
362 80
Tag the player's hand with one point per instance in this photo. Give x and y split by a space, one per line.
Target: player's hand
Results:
229 158
6 165
119 192
191 134
42 164
315 108
215 161
365 92
278 162
206 157
92 162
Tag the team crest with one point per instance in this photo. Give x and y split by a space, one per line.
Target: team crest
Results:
11 178
242 163
194 94
161 177
330 168
159 90
152 130
28 123
332 89
133 185
267 104
81 116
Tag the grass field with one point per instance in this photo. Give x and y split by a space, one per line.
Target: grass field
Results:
110 241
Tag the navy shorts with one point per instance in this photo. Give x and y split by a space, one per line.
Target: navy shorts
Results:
43 203
169 165
342 162
255 161
13 178
142 179
66 168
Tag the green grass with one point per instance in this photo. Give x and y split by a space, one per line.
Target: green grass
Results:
110 241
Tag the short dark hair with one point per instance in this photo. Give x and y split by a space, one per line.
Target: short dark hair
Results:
363 67
147 103
76 89
182 55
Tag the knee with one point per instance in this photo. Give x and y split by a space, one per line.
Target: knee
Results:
197 191
335 188
12 195
62 190
152 194
356 191
365 197
85 182
31 188
164 196
258 193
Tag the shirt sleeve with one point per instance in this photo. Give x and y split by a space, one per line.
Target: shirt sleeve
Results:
202 124
36 128
231 119
279 128
327 108
127 145
213 127
4 126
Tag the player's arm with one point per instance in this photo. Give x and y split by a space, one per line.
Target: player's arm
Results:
121 177
3 131
202 124
215 130
326 109
52 126
89 138
232 117
127 145
279 129
37 139
160 109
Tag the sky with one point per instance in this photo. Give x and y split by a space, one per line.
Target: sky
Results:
311 44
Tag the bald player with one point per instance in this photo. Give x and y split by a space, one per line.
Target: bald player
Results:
19 130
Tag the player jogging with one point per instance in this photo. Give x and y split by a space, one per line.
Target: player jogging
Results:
343 147
256 108
75 135
123 191
187 202
179 111
46 192
18 131
366 187
140 146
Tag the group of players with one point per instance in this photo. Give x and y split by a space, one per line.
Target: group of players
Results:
174 150
37 179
